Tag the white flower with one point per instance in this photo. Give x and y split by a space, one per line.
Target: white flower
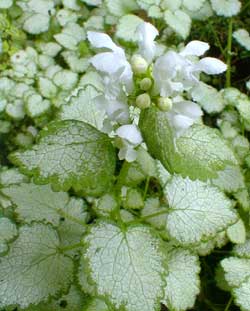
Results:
183 114
111 62
118 77
146 35
131 138
177 72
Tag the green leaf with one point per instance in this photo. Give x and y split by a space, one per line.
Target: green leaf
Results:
236 270
242 36
126 265
237 274
197 211
243 250
153 206
126 28
73 301
158 135
97 305
120 7
179 21
33 270
183 284
40 203
203 93
70 154
83 108
11 176
5 4
145 4
202 152
8 231
73 225
242 297
226 8
36 23
230 179
47 88
199 153
237 232
193 5
206 247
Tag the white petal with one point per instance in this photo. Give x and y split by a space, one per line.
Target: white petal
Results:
196 48
181 123
107 62
118 111
210 66
131 133
146 35
147 31
189 109
131 155
101 40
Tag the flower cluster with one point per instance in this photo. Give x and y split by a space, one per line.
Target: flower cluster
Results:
166 81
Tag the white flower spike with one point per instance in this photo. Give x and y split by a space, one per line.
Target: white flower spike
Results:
178 72
110 62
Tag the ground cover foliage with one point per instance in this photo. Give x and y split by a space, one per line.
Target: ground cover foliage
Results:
124 155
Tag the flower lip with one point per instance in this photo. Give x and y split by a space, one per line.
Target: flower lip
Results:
131 133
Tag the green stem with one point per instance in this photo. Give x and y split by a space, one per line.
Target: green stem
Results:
146 188
217 39
147 217
229 304
70 247
229 53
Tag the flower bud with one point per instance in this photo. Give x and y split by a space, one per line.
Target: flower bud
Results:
164 103
143 101
139 64
145 84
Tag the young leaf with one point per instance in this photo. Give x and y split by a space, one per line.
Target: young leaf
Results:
33 270
70 154
197 210
183 284
126 265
